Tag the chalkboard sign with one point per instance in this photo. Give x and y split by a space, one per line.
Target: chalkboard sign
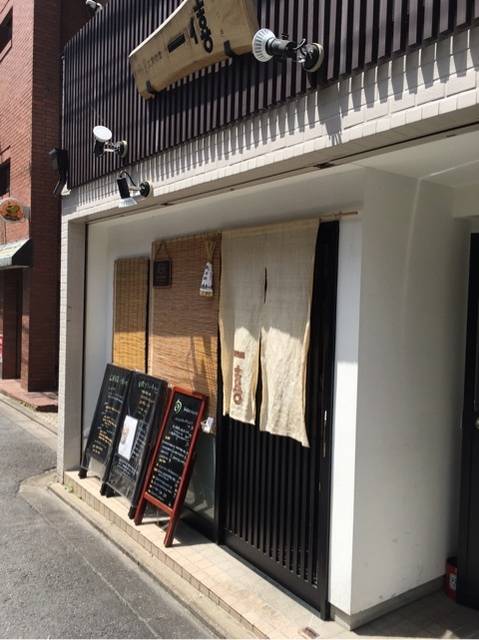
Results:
137 435
170 467
107 417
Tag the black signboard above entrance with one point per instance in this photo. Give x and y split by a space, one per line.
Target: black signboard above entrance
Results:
137 436
170 467
107 417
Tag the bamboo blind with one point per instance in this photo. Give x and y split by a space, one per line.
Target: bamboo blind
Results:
184 325
131 313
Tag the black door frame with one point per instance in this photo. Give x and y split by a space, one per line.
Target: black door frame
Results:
470 414
323 315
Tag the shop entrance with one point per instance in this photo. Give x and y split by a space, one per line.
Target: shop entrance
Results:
468 556
275 494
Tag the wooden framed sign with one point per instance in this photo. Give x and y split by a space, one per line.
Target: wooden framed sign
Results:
107 417
170 468
137 435
162 273
198 34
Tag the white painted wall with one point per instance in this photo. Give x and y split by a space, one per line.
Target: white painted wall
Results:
345 408
410 385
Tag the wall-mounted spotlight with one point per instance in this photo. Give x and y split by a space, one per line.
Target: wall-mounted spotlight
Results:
267 46
126 199
103 143
61 165
93 7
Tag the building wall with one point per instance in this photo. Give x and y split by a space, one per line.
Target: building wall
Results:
401 295
410 387
344 415
30 103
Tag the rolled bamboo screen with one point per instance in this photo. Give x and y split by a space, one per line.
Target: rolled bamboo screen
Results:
131 313
183 340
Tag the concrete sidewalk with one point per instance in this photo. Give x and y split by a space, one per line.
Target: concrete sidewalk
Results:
59 577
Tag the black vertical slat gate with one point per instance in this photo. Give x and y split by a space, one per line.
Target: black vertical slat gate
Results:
274 507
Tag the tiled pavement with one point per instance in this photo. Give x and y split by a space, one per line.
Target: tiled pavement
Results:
43 402
263 608
49 420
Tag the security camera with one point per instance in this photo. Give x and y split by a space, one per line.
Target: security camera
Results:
144 189
103 143
267 46
93 7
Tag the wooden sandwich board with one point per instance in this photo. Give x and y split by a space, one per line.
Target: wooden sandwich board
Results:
170 467
198 34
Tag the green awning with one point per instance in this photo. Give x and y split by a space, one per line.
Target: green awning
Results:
16 255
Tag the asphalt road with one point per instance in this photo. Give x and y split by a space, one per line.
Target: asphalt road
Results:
59 577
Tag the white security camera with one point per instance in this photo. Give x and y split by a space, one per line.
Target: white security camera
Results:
103 143
267 46
93 7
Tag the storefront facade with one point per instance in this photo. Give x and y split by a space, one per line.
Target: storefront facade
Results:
384 161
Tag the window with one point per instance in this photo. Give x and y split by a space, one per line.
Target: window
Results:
6 29
5 178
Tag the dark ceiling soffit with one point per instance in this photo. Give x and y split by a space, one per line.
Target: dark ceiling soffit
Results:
16 255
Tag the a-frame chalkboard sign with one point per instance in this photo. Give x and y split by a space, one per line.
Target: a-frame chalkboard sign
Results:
170 467
107 417
136 438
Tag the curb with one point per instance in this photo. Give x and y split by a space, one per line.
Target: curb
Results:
214 617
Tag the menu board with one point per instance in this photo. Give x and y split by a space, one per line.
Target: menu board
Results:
107 416
174 449
171 464
137 434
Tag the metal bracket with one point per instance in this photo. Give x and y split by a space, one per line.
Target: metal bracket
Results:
229 51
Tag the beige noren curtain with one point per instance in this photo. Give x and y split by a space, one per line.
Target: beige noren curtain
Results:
265 307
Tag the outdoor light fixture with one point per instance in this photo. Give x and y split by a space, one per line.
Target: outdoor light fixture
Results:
60 164
267 46
93 7
103 143
126 199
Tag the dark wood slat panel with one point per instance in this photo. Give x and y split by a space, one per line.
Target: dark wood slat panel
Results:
462 13
385 28
431 16
399 25
372 32
415 22
345 52
354 33
446 16
334 44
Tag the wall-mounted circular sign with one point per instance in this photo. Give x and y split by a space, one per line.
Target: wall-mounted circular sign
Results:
11 209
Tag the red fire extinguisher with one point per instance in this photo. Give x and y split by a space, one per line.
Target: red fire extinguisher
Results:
451 578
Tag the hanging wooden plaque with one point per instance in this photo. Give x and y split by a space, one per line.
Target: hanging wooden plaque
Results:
162 274
198 34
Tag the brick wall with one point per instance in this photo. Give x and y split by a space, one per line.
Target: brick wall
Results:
30 117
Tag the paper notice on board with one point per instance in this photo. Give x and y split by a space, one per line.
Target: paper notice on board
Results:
127 437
